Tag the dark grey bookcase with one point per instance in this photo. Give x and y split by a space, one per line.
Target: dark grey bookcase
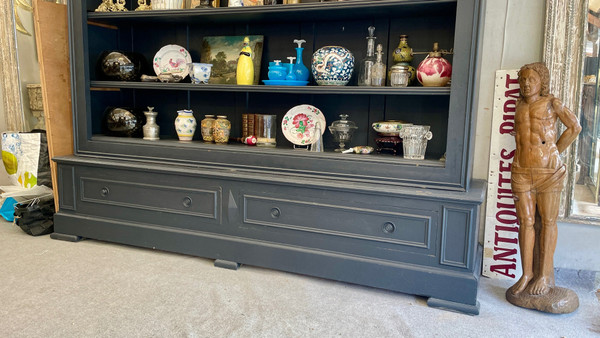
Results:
377 220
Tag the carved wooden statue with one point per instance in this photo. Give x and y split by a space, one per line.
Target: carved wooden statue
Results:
537 180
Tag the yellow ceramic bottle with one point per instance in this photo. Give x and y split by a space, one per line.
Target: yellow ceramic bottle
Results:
245 67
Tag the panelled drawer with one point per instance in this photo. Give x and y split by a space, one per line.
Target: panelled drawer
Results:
368 224
356 224
149 198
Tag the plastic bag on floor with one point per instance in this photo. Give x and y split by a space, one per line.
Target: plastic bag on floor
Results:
31 209
36 217
26 159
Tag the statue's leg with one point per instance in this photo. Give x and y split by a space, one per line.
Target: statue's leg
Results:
525 205
548 205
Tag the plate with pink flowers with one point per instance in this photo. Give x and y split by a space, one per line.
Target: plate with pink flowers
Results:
172 59
299 125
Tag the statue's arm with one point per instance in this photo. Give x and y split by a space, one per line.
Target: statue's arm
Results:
570 121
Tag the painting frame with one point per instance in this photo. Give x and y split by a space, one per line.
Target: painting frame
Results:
223 52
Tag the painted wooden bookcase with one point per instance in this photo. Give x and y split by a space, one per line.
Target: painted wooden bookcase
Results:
378 220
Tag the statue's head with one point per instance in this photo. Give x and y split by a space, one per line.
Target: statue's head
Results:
541 69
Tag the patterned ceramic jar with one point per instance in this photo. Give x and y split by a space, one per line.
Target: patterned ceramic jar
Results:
185 124
434 71
206 128
403 53
332 66
221 129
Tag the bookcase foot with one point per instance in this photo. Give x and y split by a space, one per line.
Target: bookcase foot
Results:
220 263
66 237
453 306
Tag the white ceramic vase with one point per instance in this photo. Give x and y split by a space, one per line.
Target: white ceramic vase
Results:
185 125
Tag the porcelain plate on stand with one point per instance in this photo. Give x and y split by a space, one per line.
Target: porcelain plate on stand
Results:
299 124
172 59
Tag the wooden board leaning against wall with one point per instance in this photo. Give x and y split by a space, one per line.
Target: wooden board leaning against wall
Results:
51 34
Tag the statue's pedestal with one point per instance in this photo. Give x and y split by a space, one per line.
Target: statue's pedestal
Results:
557 300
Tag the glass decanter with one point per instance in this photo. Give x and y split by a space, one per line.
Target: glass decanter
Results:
378 69
364 75
342 131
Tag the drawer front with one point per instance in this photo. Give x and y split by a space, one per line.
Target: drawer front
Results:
362 223
174 200
146 197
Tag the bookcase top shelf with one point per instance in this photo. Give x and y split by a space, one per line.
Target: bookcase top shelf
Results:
297 12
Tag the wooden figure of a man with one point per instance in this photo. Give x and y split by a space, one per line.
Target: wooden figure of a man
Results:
537 180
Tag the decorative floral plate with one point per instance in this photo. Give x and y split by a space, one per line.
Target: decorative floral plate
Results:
300 122
172 59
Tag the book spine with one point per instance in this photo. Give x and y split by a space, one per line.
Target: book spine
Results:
251 124
244 125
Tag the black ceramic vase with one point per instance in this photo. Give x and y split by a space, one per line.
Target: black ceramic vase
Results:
123 122
120 66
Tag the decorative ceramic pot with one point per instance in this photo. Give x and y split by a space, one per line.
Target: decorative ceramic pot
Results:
403 53
200 72
206 128
434 71
123 122
120 66
221 129
332 66
151 129
185 124
389 128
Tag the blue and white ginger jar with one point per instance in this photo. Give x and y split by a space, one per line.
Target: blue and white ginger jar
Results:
332 66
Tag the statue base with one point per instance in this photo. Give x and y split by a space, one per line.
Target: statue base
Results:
557 300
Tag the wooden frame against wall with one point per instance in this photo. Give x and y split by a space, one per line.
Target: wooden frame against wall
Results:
563 54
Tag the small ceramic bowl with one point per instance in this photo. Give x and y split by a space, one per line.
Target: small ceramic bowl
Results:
390 127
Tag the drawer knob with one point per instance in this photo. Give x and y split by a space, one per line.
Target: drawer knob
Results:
104 191
388 227
187 202
275 212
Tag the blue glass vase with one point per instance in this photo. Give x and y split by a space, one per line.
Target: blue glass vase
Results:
300 69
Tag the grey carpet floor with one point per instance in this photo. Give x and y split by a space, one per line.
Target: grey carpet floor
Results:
51 288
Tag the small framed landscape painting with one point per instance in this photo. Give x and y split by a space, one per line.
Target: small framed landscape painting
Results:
223 52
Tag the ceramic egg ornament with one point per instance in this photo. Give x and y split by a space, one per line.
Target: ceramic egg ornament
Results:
434 71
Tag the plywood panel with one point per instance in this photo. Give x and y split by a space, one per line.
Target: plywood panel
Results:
51 34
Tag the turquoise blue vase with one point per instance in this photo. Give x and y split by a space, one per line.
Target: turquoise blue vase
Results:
300 69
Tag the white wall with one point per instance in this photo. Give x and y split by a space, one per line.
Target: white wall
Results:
513 35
